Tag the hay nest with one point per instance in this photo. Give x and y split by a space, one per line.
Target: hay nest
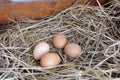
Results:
95 29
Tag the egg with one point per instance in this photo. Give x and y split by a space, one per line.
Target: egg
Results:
50 59
59 41
40 49
73 50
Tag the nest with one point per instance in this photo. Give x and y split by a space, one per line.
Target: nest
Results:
95 29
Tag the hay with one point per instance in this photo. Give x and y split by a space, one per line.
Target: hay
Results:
95 29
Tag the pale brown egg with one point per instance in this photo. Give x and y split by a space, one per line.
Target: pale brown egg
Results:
59 41
40 49
72 50
50 59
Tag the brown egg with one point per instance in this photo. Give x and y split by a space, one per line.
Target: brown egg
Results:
72 50
59 41
50 59
94 2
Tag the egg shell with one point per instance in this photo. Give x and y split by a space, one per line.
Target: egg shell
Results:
72 50
59 41
50 59
40 49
